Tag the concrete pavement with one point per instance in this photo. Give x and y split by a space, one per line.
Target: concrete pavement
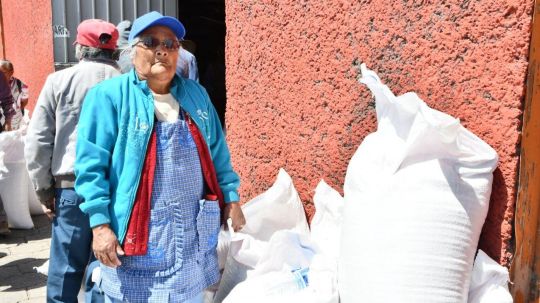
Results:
20 252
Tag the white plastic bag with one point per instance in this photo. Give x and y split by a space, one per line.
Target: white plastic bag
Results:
325 234
322 281
43 268
281 271
269 287
278 208
224 243
277 264
416 196
317 283
287 250
489 281
326 223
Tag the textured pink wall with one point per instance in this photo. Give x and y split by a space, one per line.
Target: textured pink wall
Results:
294 101
28 41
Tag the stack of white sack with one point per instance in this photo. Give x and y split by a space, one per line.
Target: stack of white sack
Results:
16 191
275 258
489 281
416 196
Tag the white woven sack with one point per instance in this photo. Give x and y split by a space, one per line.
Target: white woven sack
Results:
34 205
12 155
14 195
489 282
416 196
11 150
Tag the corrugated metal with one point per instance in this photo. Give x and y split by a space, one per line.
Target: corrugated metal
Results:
67 14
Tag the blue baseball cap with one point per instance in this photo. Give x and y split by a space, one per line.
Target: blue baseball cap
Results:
152 19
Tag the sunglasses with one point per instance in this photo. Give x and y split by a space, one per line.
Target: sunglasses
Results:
152 43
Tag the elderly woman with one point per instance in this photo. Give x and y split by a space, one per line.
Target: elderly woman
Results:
154 170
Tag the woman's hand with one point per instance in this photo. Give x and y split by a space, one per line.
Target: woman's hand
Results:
105 246
234 211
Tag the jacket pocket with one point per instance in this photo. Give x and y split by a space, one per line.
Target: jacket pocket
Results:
208 224
165 245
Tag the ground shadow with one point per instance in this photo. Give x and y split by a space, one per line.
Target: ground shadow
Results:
21 275
41 230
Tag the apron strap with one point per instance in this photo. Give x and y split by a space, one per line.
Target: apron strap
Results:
207 165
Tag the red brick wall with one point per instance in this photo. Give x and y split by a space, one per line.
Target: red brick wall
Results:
294 102
28 41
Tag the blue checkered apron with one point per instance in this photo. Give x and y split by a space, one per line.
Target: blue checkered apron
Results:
181 260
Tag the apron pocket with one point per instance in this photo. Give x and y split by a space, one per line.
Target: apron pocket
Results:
164 255
208 224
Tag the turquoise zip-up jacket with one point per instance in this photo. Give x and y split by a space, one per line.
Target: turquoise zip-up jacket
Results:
114 128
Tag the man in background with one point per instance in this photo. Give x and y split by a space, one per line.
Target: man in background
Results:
50 154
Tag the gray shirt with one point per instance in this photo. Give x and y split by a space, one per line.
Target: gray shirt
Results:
52 133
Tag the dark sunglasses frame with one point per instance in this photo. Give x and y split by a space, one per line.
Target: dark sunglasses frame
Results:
152 43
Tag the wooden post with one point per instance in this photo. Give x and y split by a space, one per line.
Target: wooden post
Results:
524 271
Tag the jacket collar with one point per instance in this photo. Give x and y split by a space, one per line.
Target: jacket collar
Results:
177 86
178 90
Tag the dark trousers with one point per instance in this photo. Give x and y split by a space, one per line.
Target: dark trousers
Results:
70 251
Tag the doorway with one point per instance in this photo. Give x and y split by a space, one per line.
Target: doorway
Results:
205 38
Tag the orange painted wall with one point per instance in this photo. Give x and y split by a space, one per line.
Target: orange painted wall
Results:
294 101
28 41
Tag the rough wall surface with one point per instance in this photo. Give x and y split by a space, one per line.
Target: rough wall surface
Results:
294 101
28 41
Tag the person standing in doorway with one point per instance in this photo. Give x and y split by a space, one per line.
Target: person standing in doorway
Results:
6 104
50 156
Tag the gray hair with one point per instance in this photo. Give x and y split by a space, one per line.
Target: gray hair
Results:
88 52
125 58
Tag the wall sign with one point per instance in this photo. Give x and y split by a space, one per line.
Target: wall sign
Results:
60 31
